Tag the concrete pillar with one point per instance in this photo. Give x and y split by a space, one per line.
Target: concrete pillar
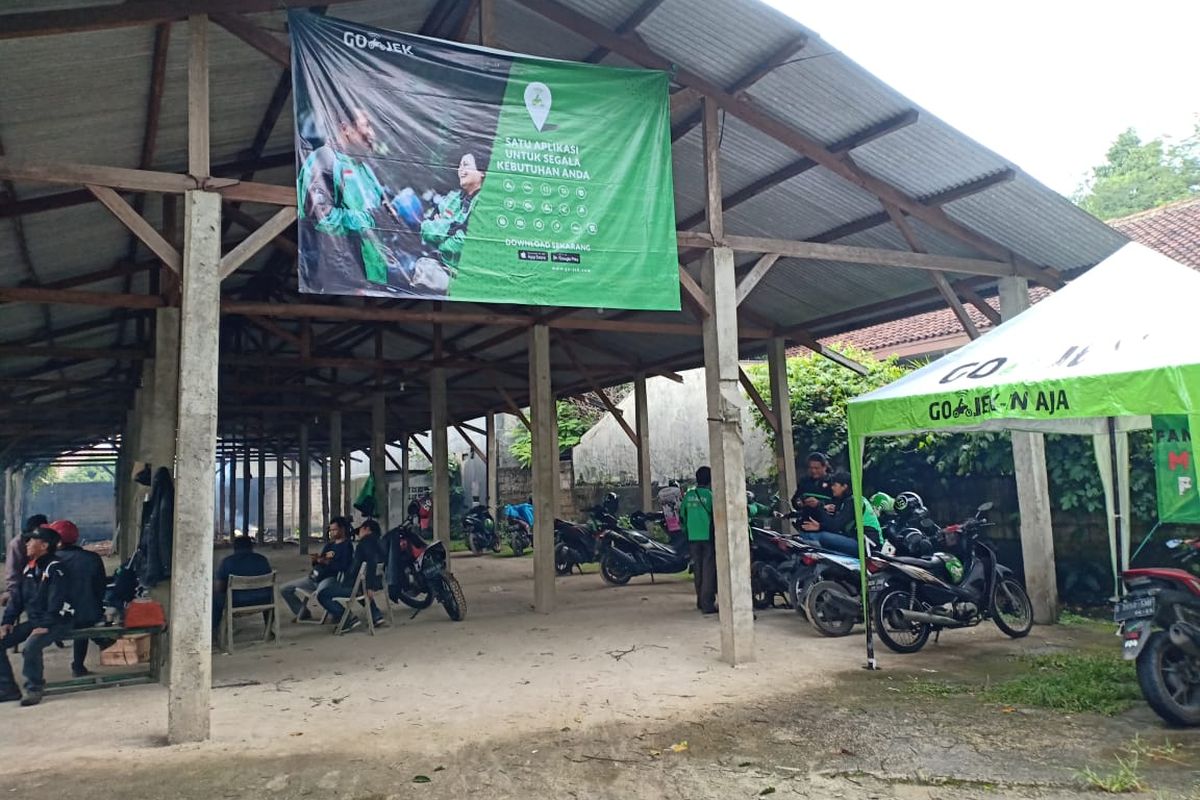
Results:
262 495
641 415
336 462
439 420
305 478
725 452
192 557
379 456
785 447
280 489
1033 490
247 479
493 467
544 421
158 427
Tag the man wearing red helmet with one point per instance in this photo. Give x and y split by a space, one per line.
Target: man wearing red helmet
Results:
87 580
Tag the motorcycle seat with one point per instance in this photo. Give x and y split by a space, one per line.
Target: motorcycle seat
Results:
924 563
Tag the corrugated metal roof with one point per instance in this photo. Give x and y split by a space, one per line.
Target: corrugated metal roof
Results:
82 97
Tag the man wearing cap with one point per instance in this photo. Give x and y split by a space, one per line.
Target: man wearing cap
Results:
87 579
43 594
14 560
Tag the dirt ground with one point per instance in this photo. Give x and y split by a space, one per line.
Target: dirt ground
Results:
595 700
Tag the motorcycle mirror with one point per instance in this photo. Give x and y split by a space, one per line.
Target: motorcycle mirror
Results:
985 507
1174 544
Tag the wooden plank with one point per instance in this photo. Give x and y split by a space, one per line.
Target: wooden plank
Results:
158 72
138 226
275 49
198 109
234 214
952 299
713 211
473 428
694 294
80 353
487 25
482 455
513 407
249 192
628 25
137 180
973 297
47 296
605 400
270 229
125 15
758 401
757 273
849 254
421 447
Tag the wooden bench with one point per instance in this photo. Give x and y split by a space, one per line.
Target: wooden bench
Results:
143 673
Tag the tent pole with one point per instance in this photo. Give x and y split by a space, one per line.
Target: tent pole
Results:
1118 520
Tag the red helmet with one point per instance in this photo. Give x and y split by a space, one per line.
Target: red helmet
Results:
66 530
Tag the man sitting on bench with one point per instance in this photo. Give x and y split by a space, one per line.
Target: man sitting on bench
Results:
44 595
88 581
247 563
335 559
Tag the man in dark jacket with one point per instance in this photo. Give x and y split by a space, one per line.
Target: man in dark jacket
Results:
88 581
369 553
244 562
15 560
44 596
335 559
836 528
813 493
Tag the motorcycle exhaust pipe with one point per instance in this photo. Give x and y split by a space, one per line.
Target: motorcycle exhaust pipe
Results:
928 619
1186 637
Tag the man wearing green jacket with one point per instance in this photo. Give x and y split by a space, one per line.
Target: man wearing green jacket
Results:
342 200
696 513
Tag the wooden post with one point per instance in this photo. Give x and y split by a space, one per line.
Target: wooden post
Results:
324 498
544 421
233 487
305 464
347 499
493 467
262 494
641 409
725 405
785 447
247 478
221 499
441 455
1033 490
280 519
405 482
378 457
336 462
190 670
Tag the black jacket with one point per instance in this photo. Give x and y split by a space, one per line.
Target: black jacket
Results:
157 535
369 551
44 594
88 581
811 487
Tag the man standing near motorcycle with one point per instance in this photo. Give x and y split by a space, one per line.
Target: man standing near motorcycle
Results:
696 513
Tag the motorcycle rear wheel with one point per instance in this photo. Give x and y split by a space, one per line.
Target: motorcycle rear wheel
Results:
473 544
1012 610
612 574
453 599
828 619
517 543
1170 680
898 635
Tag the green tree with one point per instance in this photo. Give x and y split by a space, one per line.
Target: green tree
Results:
1138 175
574 420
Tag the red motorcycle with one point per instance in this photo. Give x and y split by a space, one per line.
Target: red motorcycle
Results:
1160 627
418 572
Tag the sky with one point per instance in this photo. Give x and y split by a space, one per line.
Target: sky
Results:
1048 85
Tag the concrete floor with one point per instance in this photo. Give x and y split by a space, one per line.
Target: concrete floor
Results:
606 683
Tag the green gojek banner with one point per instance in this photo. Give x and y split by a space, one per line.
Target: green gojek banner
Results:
1175 470
435 170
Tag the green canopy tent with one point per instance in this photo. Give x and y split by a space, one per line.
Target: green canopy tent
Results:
1100 357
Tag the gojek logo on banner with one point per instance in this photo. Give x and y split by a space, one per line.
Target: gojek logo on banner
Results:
435 170
1175 470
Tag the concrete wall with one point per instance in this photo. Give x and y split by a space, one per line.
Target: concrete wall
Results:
91 506
678 438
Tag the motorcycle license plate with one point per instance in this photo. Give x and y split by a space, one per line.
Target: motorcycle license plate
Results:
1134 608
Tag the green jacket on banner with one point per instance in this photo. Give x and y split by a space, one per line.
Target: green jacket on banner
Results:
346 195
446 227
1175 470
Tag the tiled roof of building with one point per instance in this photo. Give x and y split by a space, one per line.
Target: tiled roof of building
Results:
1173 230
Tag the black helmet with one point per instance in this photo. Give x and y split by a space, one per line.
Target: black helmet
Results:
611 502
916 543
908 503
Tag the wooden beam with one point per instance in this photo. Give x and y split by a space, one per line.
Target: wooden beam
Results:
275 49
42 295
158 73
713 211
849 254
482 455
473 428
125 15
784 133
198 106
758 401
693 294
513 407
75 353
605 400
138 226
757 273
276 225
421 447
973 297
628 25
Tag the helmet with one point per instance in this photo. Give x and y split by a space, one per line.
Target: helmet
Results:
916 543
882 503
908 502
749 498
611 502
68 534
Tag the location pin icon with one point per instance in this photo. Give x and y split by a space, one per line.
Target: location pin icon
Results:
537 103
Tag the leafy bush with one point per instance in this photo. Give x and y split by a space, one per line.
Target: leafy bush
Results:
573 423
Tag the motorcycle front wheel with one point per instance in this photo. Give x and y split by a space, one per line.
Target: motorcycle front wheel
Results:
612 573
518 545
898 635
828 618
1170 680
453 599
1011 609
473 544
563 563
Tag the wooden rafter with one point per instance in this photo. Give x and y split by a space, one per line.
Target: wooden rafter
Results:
939 280
482 455
597 390
628 25
752 278
138 226
756 398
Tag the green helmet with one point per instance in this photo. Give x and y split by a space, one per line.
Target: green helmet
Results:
882 503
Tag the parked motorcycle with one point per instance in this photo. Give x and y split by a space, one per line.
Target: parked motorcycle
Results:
419 573
774 559
1160 627
912 597
480 529
518 520
576 544
626 553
